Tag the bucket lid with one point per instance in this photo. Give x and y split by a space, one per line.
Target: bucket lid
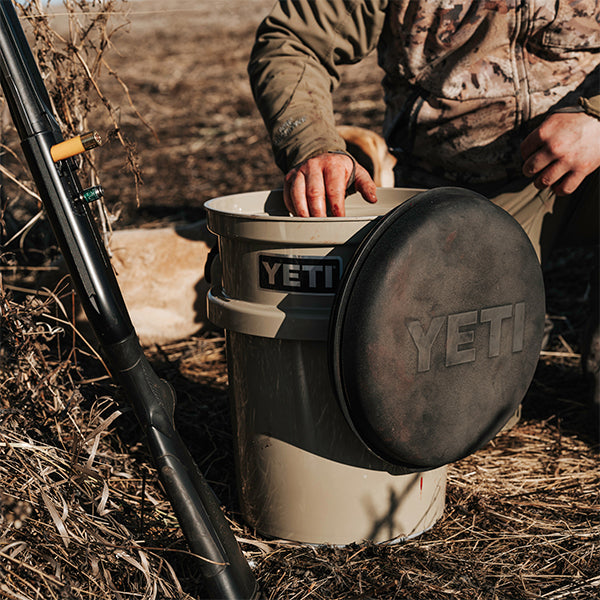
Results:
436 329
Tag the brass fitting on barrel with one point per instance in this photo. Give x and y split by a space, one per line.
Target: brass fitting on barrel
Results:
76 145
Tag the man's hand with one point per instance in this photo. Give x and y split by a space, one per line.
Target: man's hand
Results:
562 151
320 182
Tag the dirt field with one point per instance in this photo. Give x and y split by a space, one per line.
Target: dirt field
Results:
523 515
186 71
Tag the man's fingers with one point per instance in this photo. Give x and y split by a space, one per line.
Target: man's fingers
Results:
287 199
549 175
316 184
321 183
337 175
562 151
365 185
296 195
530 145
315 190
537 162
568 184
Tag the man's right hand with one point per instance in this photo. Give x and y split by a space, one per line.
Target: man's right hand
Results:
562 151
320 183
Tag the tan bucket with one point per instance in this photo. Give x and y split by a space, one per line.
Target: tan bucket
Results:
302 472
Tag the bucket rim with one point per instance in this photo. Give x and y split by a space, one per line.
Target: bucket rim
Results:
274 199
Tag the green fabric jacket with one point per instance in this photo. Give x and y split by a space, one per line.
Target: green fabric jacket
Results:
464 82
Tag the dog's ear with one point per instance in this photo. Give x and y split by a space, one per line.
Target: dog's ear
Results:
371 152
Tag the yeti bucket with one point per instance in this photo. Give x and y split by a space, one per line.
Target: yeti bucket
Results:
367 352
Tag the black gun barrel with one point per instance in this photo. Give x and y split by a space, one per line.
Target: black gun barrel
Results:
226 572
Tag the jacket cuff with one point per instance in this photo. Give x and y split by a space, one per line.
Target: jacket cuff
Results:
292 150
591 106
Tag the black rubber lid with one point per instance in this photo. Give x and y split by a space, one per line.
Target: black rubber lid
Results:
436 329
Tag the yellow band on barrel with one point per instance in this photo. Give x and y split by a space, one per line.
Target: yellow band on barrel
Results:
76 145
67 149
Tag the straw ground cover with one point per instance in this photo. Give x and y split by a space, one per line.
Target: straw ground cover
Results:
81 512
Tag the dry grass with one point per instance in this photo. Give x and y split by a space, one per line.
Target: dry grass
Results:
83 516
65 477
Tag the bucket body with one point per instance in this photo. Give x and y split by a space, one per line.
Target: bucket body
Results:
302 472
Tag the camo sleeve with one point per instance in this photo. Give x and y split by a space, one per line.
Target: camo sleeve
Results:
293 70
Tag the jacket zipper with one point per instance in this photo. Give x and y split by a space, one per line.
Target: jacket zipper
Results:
521 83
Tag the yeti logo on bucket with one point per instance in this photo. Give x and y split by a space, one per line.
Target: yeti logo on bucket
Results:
301 274
461 330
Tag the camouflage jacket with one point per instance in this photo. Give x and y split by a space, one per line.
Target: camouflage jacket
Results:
464 81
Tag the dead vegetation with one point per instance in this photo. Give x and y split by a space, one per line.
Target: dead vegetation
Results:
81 512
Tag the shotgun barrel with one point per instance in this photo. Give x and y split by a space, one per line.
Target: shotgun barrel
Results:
225 570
